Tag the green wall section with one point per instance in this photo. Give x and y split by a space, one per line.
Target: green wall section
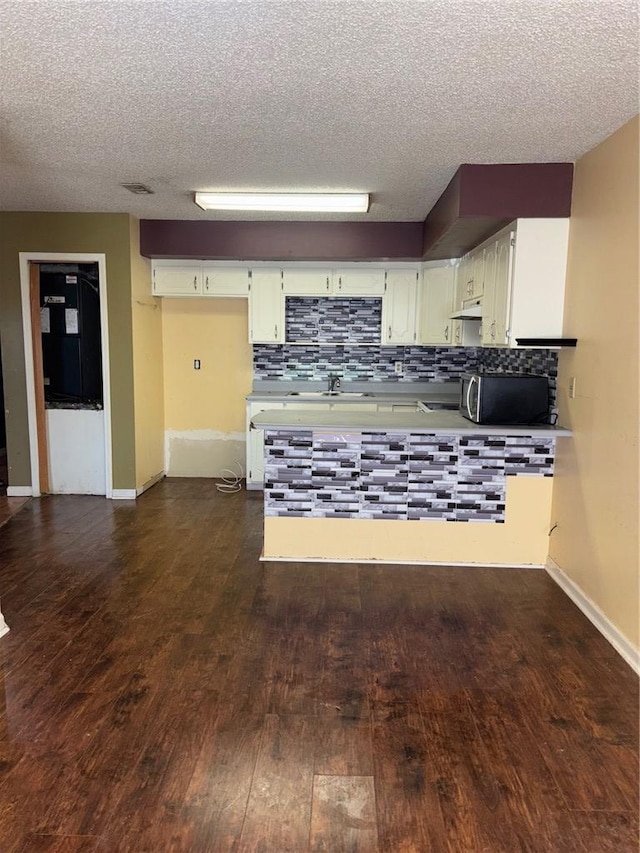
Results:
98 233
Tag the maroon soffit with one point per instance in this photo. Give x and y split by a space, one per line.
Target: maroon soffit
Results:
280 241
478 201
481 198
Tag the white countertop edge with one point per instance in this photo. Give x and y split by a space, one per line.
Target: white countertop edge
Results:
444 422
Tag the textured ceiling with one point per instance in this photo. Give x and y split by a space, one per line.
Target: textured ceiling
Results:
386 96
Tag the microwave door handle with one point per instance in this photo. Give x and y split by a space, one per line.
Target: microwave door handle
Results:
469 387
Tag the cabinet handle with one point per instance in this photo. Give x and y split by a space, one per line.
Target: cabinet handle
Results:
493 330
340 283
195 282
206 284
446 334
389 332
276 331
327 282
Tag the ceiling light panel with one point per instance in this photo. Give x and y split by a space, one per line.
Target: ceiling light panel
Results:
285 202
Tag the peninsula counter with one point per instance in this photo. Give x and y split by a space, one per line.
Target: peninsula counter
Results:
426 487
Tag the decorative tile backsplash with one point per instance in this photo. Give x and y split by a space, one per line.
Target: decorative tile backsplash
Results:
333 320
360 363
377 364
405 476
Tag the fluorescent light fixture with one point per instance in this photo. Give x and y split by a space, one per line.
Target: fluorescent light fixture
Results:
286 202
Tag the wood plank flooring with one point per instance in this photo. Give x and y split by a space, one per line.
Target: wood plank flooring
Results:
164 690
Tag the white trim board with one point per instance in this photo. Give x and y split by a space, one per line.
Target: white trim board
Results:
65 257
123 494
373 562
595 615
19 491
149 483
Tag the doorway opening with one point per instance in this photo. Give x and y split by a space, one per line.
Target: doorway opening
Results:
66 358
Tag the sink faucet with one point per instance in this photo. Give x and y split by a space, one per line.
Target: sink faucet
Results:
334 381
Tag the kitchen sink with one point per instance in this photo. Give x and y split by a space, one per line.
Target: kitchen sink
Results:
329 394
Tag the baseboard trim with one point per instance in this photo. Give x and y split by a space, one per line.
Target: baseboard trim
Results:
19 491
373 562
595 615
123 495
149 483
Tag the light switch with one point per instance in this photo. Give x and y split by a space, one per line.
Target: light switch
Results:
572 387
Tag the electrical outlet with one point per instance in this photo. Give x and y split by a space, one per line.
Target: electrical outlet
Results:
196 364
398 368
572 387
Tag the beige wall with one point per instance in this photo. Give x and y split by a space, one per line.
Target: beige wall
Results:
596 486
146 314
99 233
204 410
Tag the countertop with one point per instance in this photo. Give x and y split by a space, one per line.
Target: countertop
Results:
416 422
374 392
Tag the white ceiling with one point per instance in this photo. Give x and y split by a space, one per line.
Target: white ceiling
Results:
386 96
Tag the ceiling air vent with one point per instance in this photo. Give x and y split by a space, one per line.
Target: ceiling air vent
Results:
138 189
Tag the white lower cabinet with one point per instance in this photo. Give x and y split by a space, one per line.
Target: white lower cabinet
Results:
255 445
399 307
266 307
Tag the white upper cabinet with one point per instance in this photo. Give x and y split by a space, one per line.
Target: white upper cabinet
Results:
266 307
225 281
399 307
309 282
436 305
358 282
177 281
524 282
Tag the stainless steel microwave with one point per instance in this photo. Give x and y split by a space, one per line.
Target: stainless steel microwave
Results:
504 398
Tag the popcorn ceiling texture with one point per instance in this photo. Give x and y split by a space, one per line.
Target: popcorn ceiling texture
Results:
389 97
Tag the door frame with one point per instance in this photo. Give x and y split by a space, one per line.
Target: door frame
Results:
26 258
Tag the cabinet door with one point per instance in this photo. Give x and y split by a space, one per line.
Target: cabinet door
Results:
478 272
306 282
502 288
437 296
177 281
399 307
464 280
266 307
255 445
489 298
226 281
354 282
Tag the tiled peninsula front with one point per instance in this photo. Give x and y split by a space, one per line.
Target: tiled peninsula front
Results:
425 487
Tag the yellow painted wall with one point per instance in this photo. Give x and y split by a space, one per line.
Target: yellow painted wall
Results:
596 486
204 410
146 317
523 539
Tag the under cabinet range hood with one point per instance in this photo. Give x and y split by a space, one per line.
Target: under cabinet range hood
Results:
471 310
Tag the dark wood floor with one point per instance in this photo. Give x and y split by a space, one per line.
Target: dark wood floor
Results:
163 690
